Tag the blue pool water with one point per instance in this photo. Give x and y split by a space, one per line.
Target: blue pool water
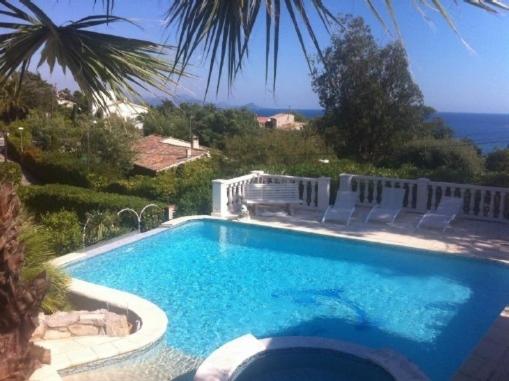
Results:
219 280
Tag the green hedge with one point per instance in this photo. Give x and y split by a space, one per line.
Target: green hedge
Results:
50 167
10 173
40 199
442 160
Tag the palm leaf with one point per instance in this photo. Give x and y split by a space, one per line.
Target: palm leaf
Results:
100 63
223 29
220 27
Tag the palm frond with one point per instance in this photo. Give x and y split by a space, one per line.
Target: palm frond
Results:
223 29
100 63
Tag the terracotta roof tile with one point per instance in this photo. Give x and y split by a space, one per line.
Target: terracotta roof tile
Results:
151 153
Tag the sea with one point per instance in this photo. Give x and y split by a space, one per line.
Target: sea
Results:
488 131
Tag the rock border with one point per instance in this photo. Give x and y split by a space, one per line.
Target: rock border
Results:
153 327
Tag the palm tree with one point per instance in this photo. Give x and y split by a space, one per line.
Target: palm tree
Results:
100 63
19 301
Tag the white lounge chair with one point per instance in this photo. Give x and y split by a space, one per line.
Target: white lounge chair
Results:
272 194
443 215
389 207
343 207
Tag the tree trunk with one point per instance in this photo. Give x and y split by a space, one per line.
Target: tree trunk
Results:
19 301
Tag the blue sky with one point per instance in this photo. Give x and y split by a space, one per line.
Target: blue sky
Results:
451 77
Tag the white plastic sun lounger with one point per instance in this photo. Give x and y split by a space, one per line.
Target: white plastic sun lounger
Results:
343 207
389 207
273 194
445 213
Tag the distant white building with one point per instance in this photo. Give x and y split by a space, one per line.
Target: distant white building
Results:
66 103
284 121
122 108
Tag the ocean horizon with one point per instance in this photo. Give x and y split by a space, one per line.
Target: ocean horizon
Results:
487 131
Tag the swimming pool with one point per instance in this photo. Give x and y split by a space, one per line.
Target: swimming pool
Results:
219 280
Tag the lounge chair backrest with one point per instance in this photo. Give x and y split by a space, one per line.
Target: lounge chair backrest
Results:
273 192
449 205
392 198
345 199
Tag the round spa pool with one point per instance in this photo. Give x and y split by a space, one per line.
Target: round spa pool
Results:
308 364
300 358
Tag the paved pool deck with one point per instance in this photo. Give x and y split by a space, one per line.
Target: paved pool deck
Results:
476 239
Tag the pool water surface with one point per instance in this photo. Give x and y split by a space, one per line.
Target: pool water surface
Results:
220 280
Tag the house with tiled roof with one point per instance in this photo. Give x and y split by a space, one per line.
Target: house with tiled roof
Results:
283 121
155 153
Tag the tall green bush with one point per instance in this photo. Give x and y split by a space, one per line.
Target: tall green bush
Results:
441 160
65 230
498 160
10 172
40 199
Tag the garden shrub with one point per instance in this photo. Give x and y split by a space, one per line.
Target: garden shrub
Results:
101 225
65 230
161 187
10 172
40 199
498 160
495 179
441 160
38 253
49 167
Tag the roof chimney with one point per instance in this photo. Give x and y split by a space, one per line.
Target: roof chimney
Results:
195 142
188 153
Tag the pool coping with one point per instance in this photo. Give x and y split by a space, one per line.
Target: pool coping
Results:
154 320
222 364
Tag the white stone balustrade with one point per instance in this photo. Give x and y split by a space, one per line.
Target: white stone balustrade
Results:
480 202
227 195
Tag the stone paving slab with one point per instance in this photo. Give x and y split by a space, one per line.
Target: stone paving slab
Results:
490 359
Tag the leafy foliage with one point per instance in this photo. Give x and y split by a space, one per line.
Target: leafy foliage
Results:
56 151
101 225
36 95
212 125
38 253
223 28
498 161
64 229
40 199
188 187
371 103
272 147
445 160
98 62
10 173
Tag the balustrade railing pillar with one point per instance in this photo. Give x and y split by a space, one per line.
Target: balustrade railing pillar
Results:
323 196
421 204
345 182
219 198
